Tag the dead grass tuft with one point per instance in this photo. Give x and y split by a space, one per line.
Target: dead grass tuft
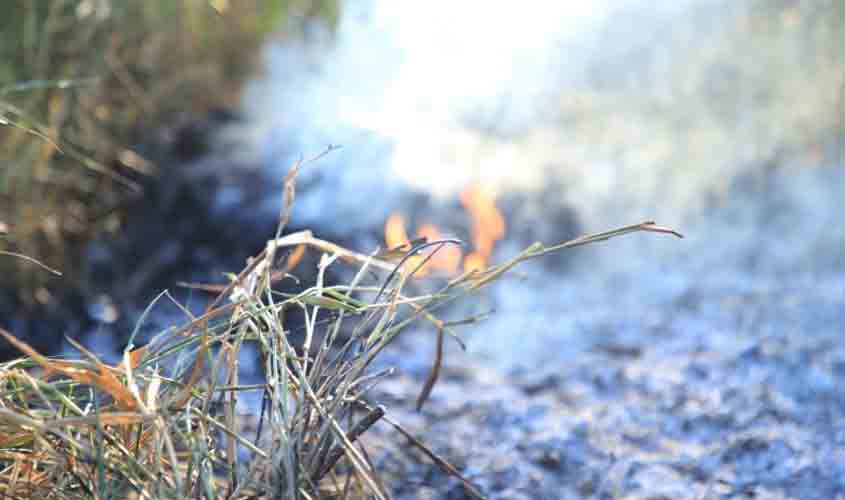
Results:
166 423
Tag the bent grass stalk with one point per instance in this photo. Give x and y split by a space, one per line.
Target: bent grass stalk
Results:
163 422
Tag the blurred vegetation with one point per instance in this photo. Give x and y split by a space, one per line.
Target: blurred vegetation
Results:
84 82
812 32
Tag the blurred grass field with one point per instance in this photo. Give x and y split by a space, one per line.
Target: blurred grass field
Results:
84 84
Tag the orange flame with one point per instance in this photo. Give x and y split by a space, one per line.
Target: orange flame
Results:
394 231
488 227
447 258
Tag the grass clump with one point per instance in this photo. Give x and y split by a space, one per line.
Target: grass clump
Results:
83 83
165 422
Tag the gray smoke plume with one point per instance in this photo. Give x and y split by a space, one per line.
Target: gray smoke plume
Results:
713 116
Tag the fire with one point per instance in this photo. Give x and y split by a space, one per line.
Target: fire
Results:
487 227
447 258
394 231
395 237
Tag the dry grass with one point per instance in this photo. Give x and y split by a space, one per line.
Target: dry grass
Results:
164 423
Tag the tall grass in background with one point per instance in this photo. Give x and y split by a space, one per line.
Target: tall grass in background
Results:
83 82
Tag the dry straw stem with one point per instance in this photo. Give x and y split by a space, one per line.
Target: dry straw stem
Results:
164 422
32 260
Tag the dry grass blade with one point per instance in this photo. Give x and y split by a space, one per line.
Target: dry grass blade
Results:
444 465
106 380
115 418
479 280
648 226
360 428
434 374
173 430
102 377
182 397
289 188
30 259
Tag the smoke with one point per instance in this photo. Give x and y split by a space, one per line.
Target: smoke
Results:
712 116
448 85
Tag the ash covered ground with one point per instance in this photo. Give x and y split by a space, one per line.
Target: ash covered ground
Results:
717 374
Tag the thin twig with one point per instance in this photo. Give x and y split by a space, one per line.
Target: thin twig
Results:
30 259
354 433
434 374
440 462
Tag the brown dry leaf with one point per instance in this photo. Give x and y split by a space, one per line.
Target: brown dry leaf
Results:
26 349
122 418
109 383
105 379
